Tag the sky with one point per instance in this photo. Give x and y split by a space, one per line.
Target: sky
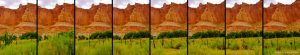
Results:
122 4
196 3
267 3
160 3
232 3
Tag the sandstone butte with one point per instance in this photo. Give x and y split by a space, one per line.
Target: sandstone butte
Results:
96 19
282 17
206 17
244 17
168 18
19 20
133 18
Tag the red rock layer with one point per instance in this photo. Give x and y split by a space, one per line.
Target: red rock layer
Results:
244 17
59 19
206 17
18 21
98 18
168 18
287 16
133 18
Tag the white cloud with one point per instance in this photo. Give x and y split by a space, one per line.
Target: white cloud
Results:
160 3
87 4
122 4
196 3
103 1
232 3
14 4
84 4
267 3
50 4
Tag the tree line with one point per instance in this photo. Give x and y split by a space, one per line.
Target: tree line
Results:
245 34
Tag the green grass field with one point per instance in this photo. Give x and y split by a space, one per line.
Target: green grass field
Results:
244 46
138 46
94 47
169 46
206 46
282 46
19 47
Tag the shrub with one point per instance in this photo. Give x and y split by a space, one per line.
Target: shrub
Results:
140 34
7 38
174 34
208 34
101 35
29 35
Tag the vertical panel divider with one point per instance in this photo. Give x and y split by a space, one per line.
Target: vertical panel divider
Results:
262 34
74 47
187 27
112 28
149 21
225 34
37 32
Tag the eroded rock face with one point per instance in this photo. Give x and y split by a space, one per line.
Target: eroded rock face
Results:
59 19
206 17
9 17
133 18
287 15
18 21
168 18
103 14
248 16
97 18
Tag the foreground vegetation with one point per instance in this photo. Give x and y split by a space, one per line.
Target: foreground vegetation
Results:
169 43
207 43
98 43
25 44
132 43
58 44
282 43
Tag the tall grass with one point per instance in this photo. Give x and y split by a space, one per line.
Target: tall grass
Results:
94 47
131 47
24 47
60 44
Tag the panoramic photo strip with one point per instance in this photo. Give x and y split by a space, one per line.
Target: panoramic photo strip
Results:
168 27
206 23
131 27
244 27
149 27
93 19
18 29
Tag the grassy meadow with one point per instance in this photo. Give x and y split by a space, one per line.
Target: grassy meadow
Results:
24 44
207 43
132 43
169 43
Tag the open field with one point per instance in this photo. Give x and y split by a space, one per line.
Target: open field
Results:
207 46
244 46
282 46
94 47
19 47
131 46
169 46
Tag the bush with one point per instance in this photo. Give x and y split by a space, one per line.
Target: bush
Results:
101 35
174 34
281 34
244 34
7 38
208 34
116 37
29 35
140 34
